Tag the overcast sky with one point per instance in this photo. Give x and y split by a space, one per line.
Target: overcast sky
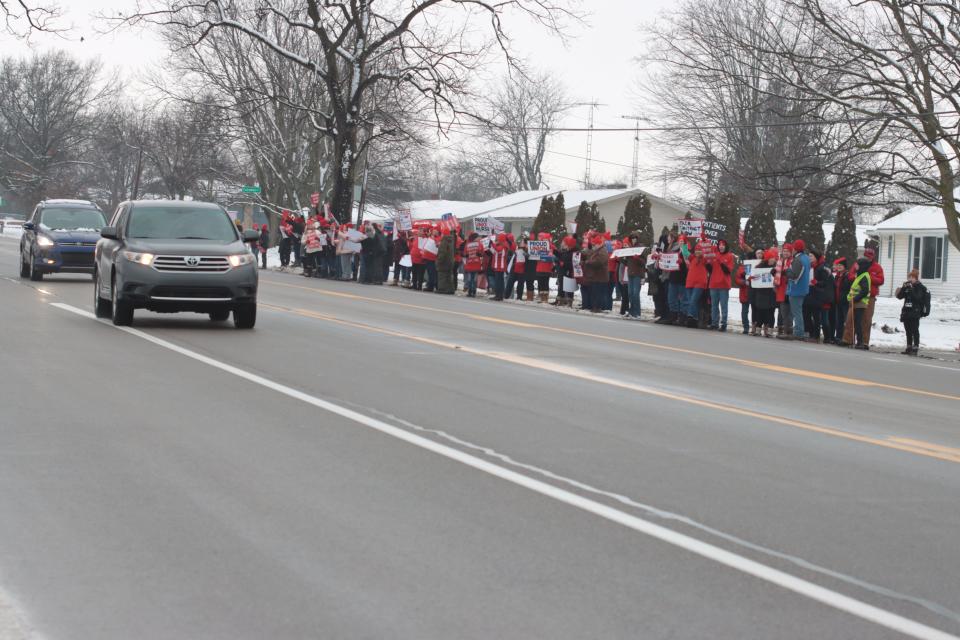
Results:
596 64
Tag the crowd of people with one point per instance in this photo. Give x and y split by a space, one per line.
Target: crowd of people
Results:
790 292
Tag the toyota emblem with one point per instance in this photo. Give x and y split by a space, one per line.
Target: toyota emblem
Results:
192 261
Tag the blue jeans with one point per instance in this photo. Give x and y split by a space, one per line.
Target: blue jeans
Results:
693 302
796 311
431 275
470 282
498 284
675 295
719 299
633 291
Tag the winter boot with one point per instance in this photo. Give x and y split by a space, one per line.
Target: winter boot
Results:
529 295
692 322
544 297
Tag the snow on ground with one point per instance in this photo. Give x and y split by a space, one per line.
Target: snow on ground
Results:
11 232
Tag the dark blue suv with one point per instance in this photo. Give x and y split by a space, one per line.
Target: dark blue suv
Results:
60 237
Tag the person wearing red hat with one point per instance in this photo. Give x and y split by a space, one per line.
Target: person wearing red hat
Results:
740 280
764 300
876 281
472 263
286 236
720 274
784 317
697 283
428 252
595 274
817 305
545 269
841 287
565 276
516 269
498 264
798 286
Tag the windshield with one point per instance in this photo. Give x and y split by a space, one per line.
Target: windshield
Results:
54 219
181 223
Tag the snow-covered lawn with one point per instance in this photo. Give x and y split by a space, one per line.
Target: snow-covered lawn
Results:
11 232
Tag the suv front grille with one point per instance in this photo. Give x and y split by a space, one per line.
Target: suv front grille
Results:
192 264
205 293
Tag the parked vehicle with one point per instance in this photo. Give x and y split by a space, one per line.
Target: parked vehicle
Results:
173 256
60 237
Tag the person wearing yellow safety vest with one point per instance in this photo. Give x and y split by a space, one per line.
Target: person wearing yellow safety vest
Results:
859 299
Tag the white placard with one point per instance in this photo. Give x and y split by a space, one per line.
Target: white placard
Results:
569 284
690 228
669 261
404 220
762 278
628 251
352 247
749 266
355 236
406 261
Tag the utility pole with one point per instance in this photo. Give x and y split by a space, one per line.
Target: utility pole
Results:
594 105
636 150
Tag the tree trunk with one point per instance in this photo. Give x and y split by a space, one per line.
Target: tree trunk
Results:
344 174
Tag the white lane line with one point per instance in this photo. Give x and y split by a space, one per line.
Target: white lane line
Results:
937 366
722 556
888 359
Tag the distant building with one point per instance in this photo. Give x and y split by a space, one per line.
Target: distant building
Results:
917 239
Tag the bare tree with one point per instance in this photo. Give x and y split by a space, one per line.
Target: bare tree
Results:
47 108
520 117
892 67
21 17
116 154
365 49
735 123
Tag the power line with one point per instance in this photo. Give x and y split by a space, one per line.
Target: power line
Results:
800 123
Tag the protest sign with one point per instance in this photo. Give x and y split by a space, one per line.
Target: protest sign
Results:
707 249
569 284
427 246
314 199
690 228
749 265
713 231
352 247
762 278
669 261
355 236
481 226
449 221
495 225
577 265
572 226
629 251
538 248
404 220
406 261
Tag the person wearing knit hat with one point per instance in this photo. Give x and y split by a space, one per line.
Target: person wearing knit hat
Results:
819 302
858 298
263 244
876 281
498 264
763 300
595 272
798 286
841 287
916 305
568 247
544 268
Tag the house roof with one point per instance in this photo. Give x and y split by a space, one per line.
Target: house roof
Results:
513 206
921 217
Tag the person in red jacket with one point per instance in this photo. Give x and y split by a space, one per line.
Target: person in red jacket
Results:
722 268
780 282
516 269
697 281
419 264
545 269
741 281
499 249
472 263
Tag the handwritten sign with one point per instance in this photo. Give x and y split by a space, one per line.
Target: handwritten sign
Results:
713 231
577 265
690 228
404 220
669 261
708 249
482 226
749 266
355 236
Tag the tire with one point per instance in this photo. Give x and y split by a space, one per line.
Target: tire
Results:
24 267
121 313
101 308
219 315
35 275
245 316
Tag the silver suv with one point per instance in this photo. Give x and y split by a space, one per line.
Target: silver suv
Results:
169 256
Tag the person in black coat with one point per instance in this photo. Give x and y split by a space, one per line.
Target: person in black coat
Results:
817 304
841 287
916 305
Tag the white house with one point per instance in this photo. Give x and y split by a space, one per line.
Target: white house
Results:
917 239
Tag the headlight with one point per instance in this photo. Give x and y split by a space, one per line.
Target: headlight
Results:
242 258
44 241
139 258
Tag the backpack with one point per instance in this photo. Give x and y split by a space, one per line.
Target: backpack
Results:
926 303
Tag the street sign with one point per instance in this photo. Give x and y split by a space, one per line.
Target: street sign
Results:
250 188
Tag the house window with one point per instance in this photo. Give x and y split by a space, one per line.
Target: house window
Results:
890 247
928 257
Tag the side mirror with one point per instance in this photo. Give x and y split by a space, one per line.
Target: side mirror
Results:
109 233
249 235
28 226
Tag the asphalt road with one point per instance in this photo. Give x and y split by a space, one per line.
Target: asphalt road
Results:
377 463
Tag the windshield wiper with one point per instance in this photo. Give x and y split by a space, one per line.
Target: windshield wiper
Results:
192 238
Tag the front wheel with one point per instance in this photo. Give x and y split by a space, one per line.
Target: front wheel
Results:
35 276
220 315
121 313
245 316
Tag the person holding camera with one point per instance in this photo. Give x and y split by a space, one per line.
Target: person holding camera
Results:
916 305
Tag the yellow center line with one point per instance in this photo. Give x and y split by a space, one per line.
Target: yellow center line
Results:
917 447
827 377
